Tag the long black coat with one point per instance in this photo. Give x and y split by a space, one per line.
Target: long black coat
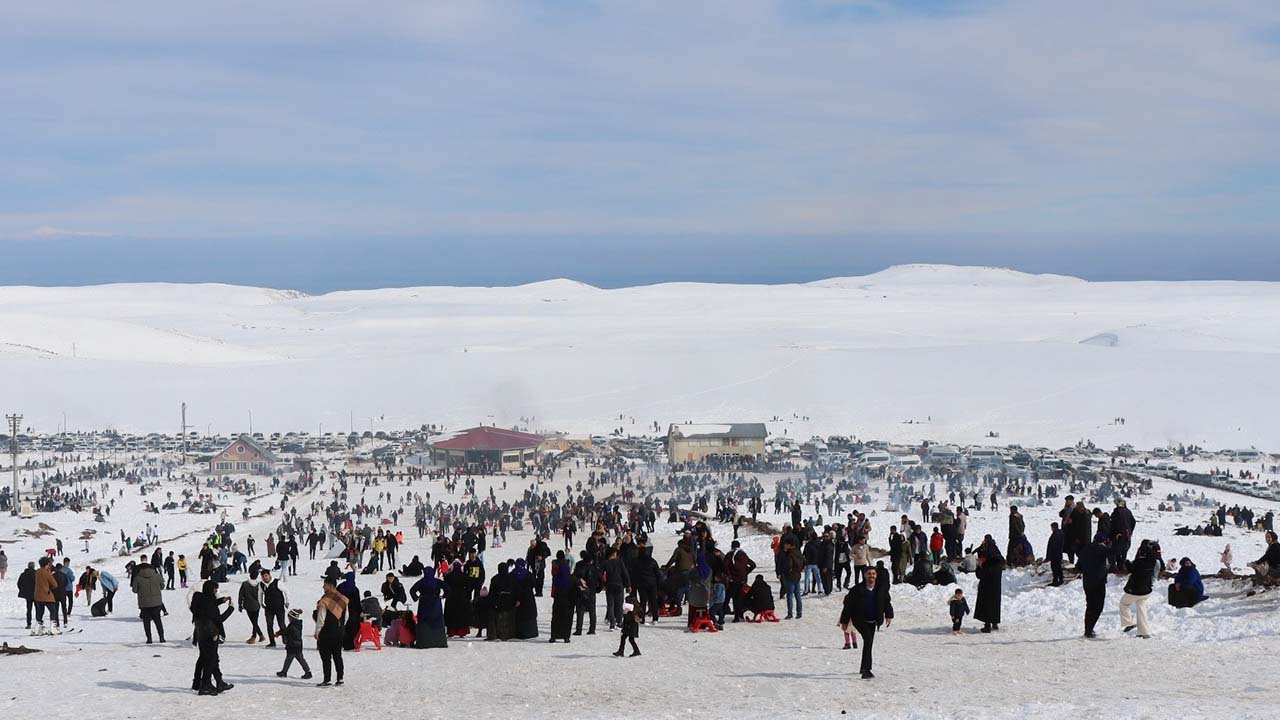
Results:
987 607
457 601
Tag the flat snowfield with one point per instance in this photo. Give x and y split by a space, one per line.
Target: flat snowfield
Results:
958 352
1214 658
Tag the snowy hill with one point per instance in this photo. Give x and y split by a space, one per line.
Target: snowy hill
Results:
1040 359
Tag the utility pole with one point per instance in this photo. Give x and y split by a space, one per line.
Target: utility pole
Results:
14 421
250 423
184 433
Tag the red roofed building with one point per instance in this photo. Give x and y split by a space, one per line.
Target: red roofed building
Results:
485 448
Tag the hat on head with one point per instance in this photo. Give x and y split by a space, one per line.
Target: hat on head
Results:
628 607
295 613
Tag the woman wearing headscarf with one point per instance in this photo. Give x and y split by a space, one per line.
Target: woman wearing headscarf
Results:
990 569
457 601
352 628
208 633
430 630
502 600
526 612
563 594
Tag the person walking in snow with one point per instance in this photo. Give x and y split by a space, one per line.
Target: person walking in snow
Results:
865 610
292 637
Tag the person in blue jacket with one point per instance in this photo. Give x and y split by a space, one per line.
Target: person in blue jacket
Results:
1188 580
68 578
109 585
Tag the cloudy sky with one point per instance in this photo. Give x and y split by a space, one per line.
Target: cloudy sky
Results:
617 122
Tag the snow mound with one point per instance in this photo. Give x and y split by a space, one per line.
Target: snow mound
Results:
1105 339
926 274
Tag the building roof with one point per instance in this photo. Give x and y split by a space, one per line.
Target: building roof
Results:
738 431
259 447
485 438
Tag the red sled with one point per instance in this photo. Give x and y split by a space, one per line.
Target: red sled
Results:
368 633
703 622
669 610
766 616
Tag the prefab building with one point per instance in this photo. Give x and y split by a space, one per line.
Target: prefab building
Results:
696 442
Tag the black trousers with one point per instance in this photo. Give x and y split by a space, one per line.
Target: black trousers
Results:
1095 596
587 610
30 604
169 583
649 599
253 620
330 656
274 617
111 597
152 615
955 623
68 601
868 632
844 573
41 607
291 654
622 643
208 669
1056 566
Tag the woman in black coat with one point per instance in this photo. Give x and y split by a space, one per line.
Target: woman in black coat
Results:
208 633
502 598
564 595
526 614
457 602
990 569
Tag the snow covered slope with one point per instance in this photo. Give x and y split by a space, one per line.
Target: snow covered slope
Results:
959 351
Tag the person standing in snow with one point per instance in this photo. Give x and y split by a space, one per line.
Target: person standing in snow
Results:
251 605
1053 553
1137 591
865 609
1092 562
990 569
208 634
148 585
330 617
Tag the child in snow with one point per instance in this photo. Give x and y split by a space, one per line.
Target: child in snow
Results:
1226 557
182 570
630 630
959 608
293 645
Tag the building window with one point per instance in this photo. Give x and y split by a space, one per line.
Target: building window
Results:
240 449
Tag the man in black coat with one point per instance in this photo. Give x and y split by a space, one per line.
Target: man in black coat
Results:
1122 526
1053 553
275 601
27 589
866 609
1092 561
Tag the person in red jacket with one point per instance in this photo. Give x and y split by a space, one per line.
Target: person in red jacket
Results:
936 542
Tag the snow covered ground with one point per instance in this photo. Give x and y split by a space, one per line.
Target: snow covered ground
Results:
1213 660
1043 360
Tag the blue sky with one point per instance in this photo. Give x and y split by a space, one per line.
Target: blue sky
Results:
1041 131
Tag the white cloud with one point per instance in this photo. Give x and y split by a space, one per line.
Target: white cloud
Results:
46 231
718 116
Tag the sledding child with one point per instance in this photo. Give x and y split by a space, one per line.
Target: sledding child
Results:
959 608
293 645
630 630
